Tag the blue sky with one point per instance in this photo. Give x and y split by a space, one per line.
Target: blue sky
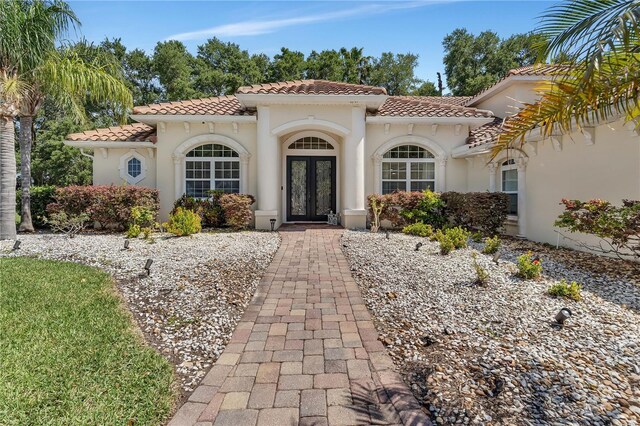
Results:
397 26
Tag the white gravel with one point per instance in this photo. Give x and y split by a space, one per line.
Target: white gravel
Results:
197 291
492 354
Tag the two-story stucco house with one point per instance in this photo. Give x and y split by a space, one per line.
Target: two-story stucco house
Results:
305 148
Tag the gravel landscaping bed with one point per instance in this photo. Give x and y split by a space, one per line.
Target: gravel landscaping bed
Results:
493 354
197 291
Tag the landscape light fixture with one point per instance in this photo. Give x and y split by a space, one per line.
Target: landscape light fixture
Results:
563 315
418 246
273 223
386 234
496 257
126 244
147 266
16 245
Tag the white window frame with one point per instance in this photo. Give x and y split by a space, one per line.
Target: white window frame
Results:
212 162
124 167
408 164
506 165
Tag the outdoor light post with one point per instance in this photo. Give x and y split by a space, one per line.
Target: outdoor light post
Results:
563 315
147 266
126 244
16 245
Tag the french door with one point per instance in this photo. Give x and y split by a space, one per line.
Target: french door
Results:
311 188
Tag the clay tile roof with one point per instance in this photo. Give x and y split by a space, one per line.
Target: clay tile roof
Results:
539 69
312 87
136 132
449 100
415 106
221 105
486 133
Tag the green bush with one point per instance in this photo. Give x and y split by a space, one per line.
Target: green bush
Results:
209 209
134 231
418 229
429 210
41 197
529 267
482 275
458 236
491 245
568 290
183 222
484 211
446 245
69 224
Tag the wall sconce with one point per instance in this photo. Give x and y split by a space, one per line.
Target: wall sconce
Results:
147 266
16 245
563 315
273 224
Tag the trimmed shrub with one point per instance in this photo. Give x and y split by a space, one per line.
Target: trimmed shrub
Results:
237 210
209 209
109 205
418 229
41 197
483 211
446 245
393 204
183 222
142 222
429 209
458 236
568 290
491 245
529 267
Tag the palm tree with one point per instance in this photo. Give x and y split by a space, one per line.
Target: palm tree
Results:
601 79
30 61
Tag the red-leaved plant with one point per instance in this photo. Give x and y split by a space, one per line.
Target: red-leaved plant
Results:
237 210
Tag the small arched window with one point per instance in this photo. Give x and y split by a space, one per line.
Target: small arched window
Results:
408 168
509 184
212 167
311 142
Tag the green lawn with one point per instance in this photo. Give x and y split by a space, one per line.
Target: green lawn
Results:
69 353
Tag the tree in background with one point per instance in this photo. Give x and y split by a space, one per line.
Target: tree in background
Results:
395 72
287 65
326 65
473 63
174 66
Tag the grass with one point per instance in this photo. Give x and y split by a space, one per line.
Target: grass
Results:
69 353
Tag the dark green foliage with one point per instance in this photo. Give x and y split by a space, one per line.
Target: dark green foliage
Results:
41 197
209 209
483 211
418 229
429 210
473 63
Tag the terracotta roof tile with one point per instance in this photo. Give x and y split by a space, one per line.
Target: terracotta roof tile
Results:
449 100
538 69
412 106
312 87
486 133
221 105
136 132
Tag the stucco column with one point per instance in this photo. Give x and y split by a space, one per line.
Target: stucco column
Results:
377 173
178 175
244 172
441 175
493 168
522 197
268 195
354 215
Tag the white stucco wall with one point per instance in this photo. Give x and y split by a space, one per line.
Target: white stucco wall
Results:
106 171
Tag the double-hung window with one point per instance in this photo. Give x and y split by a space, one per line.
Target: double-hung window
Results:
212 167
408 168
509 174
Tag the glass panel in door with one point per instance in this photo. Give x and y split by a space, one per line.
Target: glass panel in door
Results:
298 201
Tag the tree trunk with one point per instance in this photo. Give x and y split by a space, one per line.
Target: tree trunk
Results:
26 140
7 179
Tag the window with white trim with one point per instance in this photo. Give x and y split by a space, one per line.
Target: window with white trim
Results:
408 168
134 167
509 175
310 142
212 167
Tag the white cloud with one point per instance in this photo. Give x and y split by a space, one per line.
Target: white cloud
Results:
257 27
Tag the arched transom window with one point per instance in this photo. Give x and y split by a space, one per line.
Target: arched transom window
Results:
509 175
408 168
310 142
212 166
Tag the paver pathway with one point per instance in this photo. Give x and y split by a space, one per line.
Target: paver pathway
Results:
305 351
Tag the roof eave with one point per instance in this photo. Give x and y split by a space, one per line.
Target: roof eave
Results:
153 119
252 100
471 121
465 151
501 85
109 144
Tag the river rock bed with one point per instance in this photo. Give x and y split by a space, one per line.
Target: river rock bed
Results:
189 305
493 354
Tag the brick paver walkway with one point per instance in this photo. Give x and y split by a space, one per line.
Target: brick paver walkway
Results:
305 351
